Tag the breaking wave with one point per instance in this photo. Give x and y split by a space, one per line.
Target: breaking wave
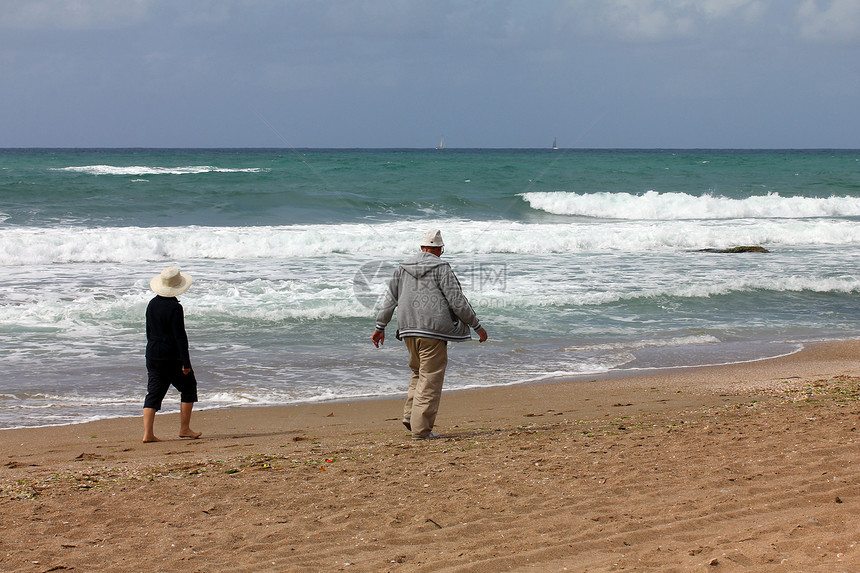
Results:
678 206
140 170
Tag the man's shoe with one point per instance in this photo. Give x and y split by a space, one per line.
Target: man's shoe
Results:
408 423
430 436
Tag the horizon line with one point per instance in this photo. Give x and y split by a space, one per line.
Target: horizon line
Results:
549 149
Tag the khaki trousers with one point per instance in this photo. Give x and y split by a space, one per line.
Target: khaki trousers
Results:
428 358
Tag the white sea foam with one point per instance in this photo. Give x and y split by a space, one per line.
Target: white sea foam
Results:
677 206
48 400
35 246
555 294
139 170
656 343
89 311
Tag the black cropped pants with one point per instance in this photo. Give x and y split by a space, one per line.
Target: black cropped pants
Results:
161 375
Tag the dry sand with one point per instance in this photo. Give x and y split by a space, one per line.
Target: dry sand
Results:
749 467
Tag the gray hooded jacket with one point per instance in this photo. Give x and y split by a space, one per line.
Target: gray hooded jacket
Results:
429 300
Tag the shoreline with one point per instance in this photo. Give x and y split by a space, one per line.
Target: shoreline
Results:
172 406
741 467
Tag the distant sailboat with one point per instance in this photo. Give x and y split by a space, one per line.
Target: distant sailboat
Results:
555 143
441 144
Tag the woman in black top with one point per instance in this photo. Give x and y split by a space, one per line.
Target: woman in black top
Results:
167 359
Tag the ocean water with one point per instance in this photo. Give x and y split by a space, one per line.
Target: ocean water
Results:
577 262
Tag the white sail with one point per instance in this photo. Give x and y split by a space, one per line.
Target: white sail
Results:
555 143
441 144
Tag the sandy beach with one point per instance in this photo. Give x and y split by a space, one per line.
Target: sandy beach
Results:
746 467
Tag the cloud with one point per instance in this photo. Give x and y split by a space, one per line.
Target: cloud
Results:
747 10
660 20
836 22
72 14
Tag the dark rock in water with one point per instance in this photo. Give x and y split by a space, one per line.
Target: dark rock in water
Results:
751 249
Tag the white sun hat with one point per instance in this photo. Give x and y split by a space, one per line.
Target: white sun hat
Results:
432 238
170 282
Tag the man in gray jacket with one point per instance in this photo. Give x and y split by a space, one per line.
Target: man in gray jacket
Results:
431 312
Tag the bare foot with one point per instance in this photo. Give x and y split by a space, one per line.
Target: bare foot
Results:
147 439
190 434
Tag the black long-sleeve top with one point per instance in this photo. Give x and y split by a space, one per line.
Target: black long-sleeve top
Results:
165 331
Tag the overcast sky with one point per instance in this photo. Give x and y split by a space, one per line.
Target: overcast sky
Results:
404 73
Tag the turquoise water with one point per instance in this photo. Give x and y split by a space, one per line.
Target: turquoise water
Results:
577 262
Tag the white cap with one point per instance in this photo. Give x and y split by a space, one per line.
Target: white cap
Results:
432 238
